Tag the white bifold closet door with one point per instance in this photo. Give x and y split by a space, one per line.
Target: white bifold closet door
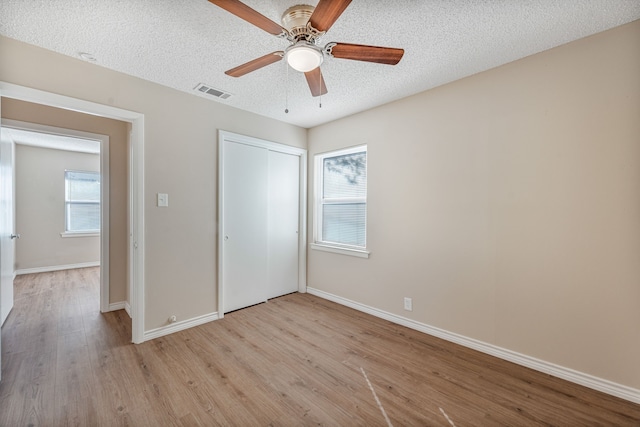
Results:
283 206
260 228
245 225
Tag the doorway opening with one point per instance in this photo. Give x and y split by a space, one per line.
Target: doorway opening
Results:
135 211
61 188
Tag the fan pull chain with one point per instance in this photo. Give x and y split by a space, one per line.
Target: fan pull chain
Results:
286 90
320 84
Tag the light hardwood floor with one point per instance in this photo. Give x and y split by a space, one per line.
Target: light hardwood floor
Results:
296 360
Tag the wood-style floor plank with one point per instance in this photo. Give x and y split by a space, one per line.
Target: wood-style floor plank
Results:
295 360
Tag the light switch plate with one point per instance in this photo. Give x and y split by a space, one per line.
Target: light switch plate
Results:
163 200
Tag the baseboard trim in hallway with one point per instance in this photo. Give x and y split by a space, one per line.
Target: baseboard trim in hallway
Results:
47 269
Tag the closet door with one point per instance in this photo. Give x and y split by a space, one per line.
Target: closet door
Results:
244 236
283 216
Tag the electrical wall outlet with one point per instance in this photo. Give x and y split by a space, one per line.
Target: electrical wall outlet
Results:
163 200
408 304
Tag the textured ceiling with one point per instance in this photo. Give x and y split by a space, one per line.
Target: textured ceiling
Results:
180 43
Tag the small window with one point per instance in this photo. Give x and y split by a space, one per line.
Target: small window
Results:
82 202
341 198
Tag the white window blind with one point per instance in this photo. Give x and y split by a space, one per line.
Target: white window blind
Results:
82 201
342 198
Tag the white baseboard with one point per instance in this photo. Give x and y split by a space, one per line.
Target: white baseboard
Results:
600 384
56 268
117 306
122 305
179 326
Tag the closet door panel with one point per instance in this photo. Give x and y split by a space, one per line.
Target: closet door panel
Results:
283 217
245 225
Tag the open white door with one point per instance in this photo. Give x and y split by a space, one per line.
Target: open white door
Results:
7 235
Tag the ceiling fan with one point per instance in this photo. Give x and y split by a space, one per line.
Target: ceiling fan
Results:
303 26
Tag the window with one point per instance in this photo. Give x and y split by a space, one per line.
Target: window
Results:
341 200
82 202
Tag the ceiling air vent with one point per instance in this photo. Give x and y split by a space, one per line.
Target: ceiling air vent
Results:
208 90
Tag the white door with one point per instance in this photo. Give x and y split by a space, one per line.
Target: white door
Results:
283 218
7 247
244 236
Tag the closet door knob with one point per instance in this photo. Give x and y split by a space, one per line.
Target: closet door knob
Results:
226 238
15 236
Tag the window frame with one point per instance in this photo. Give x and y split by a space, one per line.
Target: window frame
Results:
68 203
320 202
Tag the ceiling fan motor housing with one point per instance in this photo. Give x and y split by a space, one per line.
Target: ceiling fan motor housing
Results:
296 21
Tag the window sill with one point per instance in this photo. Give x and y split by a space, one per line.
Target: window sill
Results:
339 250
66 234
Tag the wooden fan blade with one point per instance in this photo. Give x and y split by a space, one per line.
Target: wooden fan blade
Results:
243 11
358 52
316 82
257 63
326 13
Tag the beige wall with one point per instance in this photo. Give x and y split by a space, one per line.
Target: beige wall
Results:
39 202
180 159
507 205
118 134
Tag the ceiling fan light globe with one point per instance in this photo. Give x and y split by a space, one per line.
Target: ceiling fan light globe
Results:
303 58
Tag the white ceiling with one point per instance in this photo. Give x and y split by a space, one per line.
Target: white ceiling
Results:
180 43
